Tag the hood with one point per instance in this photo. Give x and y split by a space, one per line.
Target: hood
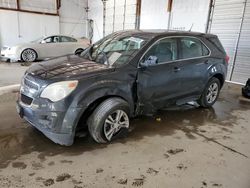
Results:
70 66
20 45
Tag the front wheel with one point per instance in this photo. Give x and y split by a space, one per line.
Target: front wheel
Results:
210 93
79 51
109 120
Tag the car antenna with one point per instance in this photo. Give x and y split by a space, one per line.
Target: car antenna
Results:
191 27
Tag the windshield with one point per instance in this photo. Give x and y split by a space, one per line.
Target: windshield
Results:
37 40
115 49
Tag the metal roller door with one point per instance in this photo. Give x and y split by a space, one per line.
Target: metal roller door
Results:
119 15
241 69
230 21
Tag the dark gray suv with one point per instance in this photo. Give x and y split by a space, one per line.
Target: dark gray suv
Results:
125 74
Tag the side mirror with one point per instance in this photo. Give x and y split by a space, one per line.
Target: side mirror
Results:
43 42
152 60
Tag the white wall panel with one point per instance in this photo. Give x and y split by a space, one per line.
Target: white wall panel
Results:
73 18
96 14
8 3
26 27
48 6
188 14
154 14
19 27
120 15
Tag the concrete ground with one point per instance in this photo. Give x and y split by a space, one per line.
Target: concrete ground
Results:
11 73
186 147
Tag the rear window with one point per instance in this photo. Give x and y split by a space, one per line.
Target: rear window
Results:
192 48
216 42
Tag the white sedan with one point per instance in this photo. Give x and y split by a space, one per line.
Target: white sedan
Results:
43 48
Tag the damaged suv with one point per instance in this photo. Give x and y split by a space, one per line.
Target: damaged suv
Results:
123 75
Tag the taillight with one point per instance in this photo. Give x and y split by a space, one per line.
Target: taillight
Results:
227 58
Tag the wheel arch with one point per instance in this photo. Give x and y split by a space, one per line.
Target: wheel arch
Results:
220 77
217 71
83 116
79 49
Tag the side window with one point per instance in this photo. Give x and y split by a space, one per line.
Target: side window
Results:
56 39
67 39
192 47
48 40
164 50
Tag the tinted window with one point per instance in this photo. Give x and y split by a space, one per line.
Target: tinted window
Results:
215 41
165 50
67 39
56 39
192 47
48 40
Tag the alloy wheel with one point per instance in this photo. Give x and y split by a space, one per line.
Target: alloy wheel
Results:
212 93
114 122
29 55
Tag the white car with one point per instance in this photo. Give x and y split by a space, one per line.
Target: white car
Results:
46 47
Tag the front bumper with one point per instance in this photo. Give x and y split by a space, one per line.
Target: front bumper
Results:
11 58
7 56
56 125
3 58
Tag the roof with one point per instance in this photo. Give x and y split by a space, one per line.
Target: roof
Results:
160 32
59 35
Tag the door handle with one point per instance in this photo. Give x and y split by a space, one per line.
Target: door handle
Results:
176 69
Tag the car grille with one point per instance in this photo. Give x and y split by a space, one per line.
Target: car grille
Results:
31 84
26 100
5 48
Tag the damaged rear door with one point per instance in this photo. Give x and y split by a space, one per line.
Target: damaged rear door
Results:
158 80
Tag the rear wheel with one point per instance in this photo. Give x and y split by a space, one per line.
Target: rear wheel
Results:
28 55
109 120
210 93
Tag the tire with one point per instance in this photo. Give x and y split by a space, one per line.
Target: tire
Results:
28 55
99 123
210 93
79 51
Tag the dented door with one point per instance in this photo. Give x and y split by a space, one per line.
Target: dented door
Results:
157 86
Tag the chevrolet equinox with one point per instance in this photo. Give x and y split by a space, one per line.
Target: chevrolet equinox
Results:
125 74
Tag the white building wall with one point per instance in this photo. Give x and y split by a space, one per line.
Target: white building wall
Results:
20 27
185 13
73 18
154 14
96 14
188 14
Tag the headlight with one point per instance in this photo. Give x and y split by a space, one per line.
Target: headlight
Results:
12 49
59 90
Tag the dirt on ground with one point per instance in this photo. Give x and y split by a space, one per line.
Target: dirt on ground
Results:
184 147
